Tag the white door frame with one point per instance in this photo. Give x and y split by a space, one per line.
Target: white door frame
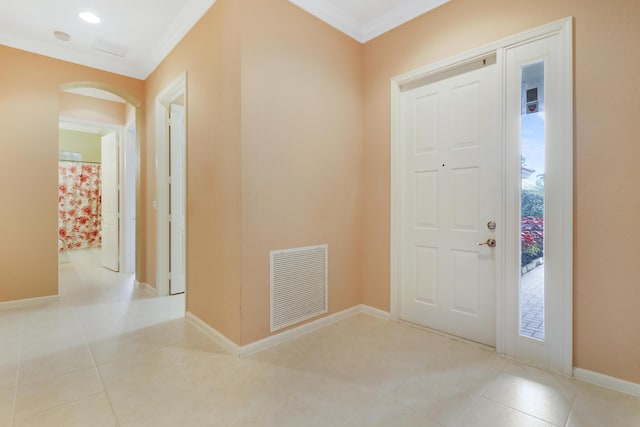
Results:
163 103
177 198
119 129
562 353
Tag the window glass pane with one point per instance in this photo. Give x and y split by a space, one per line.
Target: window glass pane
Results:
532 167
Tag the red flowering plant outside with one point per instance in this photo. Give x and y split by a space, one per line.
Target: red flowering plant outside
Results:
532 241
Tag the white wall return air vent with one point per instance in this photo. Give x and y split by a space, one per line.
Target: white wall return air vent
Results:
299 280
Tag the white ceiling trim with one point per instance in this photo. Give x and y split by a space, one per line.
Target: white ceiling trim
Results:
365 31
181 25
398 16
58 51
333 16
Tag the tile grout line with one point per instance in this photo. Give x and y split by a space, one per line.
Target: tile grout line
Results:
573 404
484 389
39 411
388 395
524 413
517 410
481 395
17 382
305 405
95 365
412 409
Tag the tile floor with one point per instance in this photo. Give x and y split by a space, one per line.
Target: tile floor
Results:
112 355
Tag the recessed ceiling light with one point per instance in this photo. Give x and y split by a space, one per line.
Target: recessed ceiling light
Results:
61 35
89 17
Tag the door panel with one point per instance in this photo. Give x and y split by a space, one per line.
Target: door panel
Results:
466 115
450 183
110 205
426 108
426 264
465 282
466 201
426 199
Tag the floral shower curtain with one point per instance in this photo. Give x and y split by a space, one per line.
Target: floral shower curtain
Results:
79 206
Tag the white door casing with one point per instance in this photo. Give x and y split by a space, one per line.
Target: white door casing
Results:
177 199
162 204
450 195
110 202
559 355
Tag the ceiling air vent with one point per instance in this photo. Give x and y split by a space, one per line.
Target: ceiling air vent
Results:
110 47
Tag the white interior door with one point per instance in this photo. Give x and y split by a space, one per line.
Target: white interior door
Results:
110 204
177 200
130 172
450 195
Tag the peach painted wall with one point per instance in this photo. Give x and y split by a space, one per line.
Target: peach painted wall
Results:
87 144
29 108
302 124
85 108
210 55
274 124
607 193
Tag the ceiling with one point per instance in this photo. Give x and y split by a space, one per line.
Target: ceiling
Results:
364 20
133 37
144 30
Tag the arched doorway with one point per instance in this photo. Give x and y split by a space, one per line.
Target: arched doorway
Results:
88 105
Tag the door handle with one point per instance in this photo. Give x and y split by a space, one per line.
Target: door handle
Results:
490 242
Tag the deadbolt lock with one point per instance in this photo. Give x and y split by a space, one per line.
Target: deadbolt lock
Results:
490 242
491 225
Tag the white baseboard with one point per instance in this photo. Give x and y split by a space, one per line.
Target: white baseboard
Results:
613 383
212 333
263 344
146 287
376 312
21 303
274 340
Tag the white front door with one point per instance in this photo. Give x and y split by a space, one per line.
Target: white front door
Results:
110 202
450 196
177 200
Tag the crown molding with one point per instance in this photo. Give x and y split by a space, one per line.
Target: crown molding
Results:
181 25
334 16
364 31
55 50
398 16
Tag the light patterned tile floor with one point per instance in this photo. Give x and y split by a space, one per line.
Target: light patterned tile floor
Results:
109 354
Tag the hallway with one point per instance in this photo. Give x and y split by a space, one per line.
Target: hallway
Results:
109 354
